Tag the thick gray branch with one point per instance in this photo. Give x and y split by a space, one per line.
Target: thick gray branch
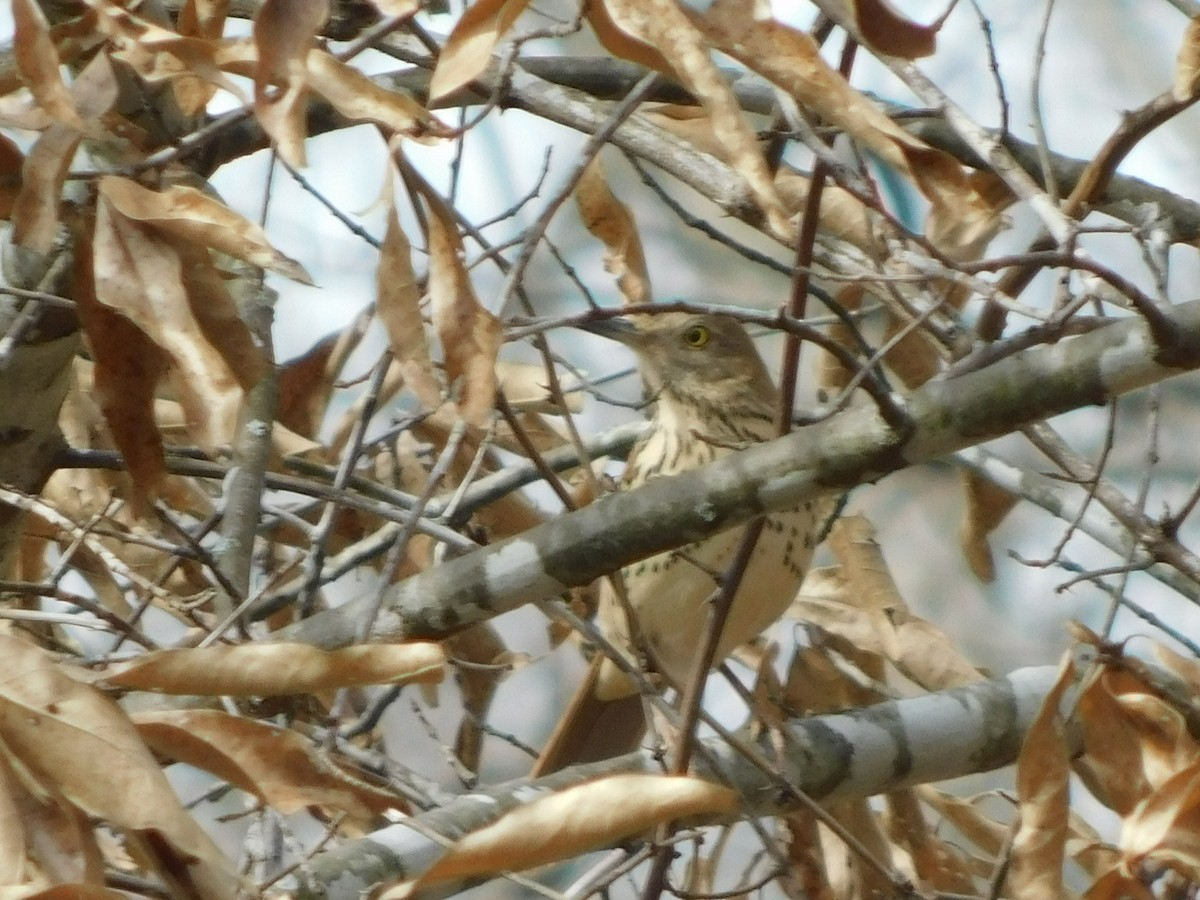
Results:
854 754
851 448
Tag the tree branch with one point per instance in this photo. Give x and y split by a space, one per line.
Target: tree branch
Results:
848 449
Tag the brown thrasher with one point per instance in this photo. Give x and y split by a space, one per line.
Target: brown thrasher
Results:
710 395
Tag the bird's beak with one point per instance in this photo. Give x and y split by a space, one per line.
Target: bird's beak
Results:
621 330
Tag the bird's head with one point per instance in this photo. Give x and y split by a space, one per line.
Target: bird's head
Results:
697 358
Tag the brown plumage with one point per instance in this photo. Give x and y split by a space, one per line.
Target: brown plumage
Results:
710 395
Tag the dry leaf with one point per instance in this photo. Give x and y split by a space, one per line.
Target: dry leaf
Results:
39 64
71 736
282 768
1164 830
609 219
470 335
621 44
886 30
960 221
986 506
468 50
266 670
398 305
665 25
140 274
283 33
360 99
199 218
1187 63
1043 771
565 824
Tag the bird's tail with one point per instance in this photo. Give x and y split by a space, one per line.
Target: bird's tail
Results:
592 729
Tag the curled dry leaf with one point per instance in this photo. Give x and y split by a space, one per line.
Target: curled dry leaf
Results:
199 218
1187 63
70 736
265 670
1164 830
140 274
398 305
665 25
886 30
469 48
986 507
470 335
282 768
565 824
960 220
1043 795
360 99
621 44
609 219
283 33
38 62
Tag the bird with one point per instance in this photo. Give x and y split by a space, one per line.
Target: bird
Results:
709 394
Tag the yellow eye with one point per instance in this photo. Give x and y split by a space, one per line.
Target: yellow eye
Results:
696 336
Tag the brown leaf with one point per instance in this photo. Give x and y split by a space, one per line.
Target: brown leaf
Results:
128 368
1043 771
35 211
71 736
470 335
398 305
140 274
360 99
1165 829
266 670
621 44
38 62
284 31
986 507
468 50
482 648
199 218
562 825
886 30
609 219
11 161
279 766
960 221
305 384
665 25
1187 63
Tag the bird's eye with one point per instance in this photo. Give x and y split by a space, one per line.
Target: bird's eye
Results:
696 336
